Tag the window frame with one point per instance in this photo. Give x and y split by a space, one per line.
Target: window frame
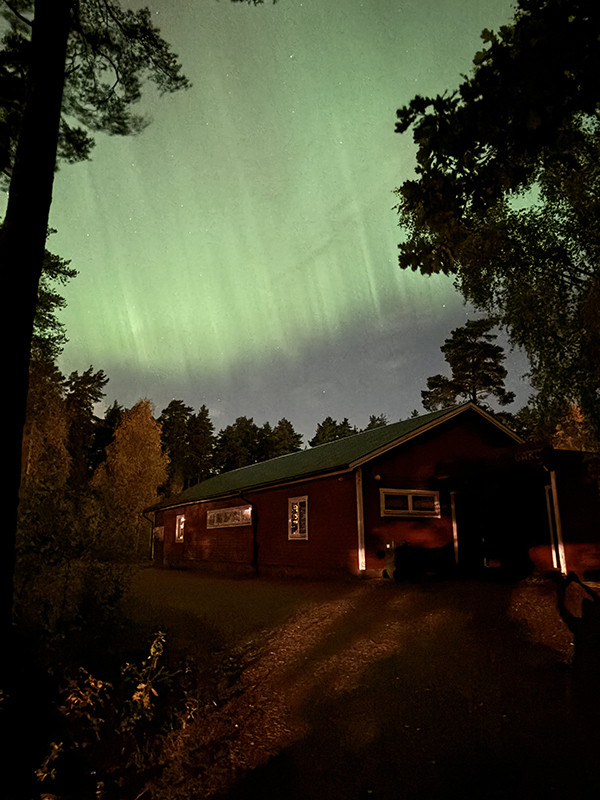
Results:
436 513
229 510
180 528
158 533
302 500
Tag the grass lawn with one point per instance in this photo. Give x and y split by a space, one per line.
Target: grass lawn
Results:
374 690
206 612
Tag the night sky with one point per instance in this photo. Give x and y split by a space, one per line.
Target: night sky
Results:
242 251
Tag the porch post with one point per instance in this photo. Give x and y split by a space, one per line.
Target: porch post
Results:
454 525
559 536
360 522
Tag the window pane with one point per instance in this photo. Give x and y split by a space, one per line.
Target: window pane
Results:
409 503
298 518
231 517
396 502
423 502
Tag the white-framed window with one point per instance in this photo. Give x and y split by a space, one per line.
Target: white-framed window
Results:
179 528
159 533
409 503
231 517
298 518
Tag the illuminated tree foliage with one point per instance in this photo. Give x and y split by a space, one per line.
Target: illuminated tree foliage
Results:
573 432
64 571
506 196
46 459
477 370
67 69
129 479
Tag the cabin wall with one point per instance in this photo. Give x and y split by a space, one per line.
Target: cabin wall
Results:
430 462
492 510
331 541
578 496
330 544
202 545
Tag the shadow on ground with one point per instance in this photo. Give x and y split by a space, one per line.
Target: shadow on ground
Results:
430 691
392 691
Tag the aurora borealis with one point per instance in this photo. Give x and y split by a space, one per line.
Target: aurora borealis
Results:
241 251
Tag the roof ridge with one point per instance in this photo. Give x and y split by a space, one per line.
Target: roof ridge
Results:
339 454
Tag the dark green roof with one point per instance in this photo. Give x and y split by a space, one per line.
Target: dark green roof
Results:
330 457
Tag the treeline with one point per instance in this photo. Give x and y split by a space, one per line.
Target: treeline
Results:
87 480
65 438
196 452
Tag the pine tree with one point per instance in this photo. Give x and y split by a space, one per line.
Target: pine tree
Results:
49 335
330 430
83 392
237 445
201 446
104 433
377 421
285 438
174 421
476 364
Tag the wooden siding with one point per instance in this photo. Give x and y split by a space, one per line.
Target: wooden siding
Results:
426 463
332 532
206 545
330 546
497 494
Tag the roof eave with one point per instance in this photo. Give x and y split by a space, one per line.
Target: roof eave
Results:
259 487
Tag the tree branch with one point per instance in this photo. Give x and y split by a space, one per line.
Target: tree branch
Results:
18 15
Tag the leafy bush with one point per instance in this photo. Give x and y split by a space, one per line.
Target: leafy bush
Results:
109 734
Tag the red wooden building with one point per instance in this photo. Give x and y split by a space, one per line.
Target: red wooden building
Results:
450 488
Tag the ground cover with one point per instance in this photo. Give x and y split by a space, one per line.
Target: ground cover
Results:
372 689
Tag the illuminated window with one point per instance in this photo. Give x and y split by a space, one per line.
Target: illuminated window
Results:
229 517
298 518
159 533
409 503
179 528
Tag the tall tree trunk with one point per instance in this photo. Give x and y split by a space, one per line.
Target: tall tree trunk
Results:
23 237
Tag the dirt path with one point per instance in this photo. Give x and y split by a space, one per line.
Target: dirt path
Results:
374 690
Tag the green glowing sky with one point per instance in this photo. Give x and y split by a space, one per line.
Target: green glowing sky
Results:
241 252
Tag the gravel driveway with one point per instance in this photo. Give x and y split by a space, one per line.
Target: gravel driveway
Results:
376 690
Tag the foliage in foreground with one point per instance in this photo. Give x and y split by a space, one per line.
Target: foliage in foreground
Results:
107 730
108 734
